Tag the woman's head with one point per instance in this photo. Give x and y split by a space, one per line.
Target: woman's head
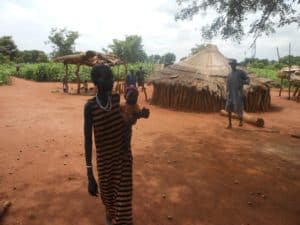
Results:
103 78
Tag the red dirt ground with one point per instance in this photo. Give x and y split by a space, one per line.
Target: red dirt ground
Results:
186 165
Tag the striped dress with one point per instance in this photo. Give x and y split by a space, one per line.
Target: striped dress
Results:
114 161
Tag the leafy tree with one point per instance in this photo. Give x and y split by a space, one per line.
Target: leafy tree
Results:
231 16
63 41
4 58
8 47
294 60
32 56
154 59
129 50
168 58
197 48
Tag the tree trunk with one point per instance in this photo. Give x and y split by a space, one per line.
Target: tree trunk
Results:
78 79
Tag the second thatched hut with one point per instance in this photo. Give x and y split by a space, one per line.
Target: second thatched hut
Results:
199 84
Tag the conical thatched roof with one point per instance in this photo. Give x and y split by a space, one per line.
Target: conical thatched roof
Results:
208 61
203 76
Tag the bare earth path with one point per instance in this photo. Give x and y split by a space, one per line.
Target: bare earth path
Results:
186 165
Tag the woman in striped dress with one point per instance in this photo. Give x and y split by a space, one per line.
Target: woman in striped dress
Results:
102 114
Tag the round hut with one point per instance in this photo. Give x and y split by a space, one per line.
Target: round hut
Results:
198 83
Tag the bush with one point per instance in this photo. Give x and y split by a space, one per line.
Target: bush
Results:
5 72
268 73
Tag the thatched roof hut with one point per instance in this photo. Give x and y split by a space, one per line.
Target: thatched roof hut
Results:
199 84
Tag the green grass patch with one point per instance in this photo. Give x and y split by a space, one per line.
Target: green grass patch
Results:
268 73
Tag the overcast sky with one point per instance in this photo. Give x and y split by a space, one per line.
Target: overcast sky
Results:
99 21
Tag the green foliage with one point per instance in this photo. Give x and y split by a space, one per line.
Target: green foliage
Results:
271 64
55 71
4 59
8 47
294 60
168 58
268 73
51 72
129 50
5 72
62 41
154 59
197 48
231 16
120 71
31 56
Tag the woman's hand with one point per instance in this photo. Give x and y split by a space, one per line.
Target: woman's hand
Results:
144 112
92 185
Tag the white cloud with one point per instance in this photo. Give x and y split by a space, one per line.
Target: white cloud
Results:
99 21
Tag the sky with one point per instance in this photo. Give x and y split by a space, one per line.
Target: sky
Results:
99 22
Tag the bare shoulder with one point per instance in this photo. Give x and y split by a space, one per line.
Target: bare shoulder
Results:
88 106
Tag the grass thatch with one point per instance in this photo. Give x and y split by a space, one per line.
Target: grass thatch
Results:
183 88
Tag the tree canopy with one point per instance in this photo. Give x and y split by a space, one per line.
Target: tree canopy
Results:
231 16
168 58
32 56
8 48
63 41
129 50
154 58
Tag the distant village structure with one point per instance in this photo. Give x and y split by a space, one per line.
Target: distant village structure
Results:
198 83
89 58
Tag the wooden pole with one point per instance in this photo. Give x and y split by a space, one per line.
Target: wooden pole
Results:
67 78
118 80
295 92
78 78
278 55
289 76
281 81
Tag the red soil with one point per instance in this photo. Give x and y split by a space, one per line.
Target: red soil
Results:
187 166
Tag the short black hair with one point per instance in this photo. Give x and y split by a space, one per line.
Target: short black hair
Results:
99 71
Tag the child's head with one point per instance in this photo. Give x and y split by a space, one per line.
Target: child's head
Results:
131 95
103 78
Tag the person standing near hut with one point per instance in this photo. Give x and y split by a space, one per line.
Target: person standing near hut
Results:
102 114
236 79
130 79
140 76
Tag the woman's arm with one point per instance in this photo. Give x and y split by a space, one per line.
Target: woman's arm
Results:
88 143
